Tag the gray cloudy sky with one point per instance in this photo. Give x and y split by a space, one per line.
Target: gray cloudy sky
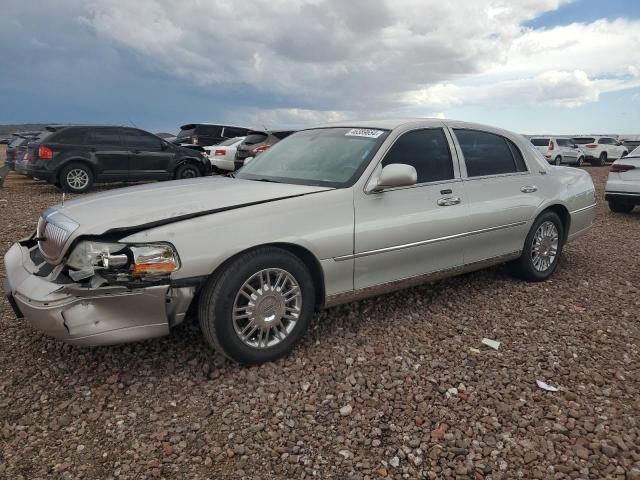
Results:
529 65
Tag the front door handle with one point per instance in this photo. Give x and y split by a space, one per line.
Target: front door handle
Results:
449 201
529 189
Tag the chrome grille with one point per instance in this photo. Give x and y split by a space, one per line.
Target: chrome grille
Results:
54 229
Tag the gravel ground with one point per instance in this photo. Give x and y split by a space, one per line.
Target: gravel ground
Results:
393 387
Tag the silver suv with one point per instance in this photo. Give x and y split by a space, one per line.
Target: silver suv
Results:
559 150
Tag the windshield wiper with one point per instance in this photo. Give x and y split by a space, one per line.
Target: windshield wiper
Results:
264 180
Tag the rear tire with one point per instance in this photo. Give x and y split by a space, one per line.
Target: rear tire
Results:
542 249
602 159
258 307
579 162
188 170
558 160
620 206
76 178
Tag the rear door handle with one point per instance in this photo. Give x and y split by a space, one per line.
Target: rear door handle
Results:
529 189
449 201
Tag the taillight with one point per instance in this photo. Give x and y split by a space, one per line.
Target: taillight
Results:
591 145
14 154
619 168
27 156
220 153
194 140
551 145
45 153
262 148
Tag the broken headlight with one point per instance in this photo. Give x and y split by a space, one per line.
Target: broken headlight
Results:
122 260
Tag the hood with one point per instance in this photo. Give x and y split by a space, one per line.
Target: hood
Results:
159 203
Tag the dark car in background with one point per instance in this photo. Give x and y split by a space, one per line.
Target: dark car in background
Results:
75 157
16 147
206 134
256 142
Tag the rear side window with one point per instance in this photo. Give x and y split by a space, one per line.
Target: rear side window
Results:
584 140
209 130
72 136
606 141
540 142
425 150
255 138
231 132
564 143
104 136
489 154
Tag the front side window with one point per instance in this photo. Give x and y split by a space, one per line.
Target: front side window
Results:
489 154
331 157
138 139
425 150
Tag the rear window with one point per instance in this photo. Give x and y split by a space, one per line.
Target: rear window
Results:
540 142
584 140
16 142
230 141
72 136
255 138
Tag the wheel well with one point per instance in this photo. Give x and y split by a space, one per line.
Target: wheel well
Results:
192 161
308 258
564 215
75 160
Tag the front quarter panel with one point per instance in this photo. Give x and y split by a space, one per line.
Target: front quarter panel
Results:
321 222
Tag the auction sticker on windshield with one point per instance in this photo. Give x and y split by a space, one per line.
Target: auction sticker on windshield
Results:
364 132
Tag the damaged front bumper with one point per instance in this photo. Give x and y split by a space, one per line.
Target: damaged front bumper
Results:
91 316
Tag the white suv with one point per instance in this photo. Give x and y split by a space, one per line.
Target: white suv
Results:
559 150
599 150
623 185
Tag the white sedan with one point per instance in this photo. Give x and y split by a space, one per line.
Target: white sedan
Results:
623 185
222 156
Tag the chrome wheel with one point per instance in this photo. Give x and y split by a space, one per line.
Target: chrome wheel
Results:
267 308
77 178
545 246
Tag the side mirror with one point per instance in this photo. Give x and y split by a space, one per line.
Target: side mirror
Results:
395 175
164 145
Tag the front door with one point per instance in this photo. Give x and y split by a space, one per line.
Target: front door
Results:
148 159
404 233
111 157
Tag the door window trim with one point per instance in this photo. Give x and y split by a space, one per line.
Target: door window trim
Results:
463 163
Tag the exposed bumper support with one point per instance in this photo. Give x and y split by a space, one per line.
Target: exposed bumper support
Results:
84 316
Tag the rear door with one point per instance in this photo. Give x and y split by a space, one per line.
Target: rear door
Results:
503 195
108 152
569 154
407 232
148 158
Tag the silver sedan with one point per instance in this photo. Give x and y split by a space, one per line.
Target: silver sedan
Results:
330 215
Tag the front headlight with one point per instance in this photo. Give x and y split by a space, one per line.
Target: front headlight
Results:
126 260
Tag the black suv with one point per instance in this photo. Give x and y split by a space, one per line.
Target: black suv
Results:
74 157
206 134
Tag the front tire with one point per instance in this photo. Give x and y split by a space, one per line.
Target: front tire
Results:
542 249
188 170
76 178
619 206
259 307
579 162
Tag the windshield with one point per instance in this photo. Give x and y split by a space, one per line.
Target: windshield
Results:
331 157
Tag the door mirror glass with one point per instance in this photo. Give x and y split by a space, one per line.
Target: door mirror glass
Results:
396 175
